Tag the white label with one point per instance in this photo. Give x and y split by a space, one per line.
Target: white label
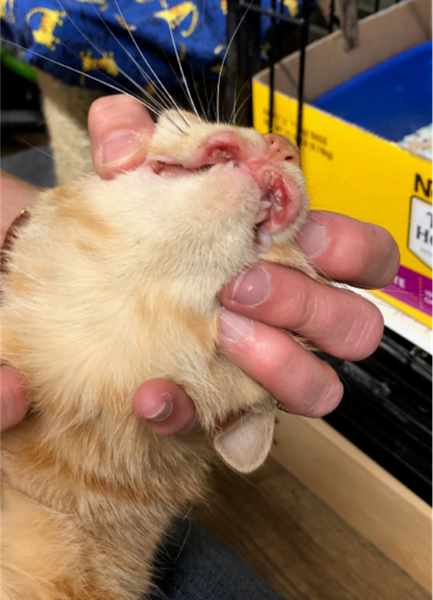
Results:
421 230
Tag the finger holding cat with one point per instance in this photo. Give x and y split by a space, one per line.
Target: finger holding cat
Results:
336 320
166 406
294 376
348 250
119 128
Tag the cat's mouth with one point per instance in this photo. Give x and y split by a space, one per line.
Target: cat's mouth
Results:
279 204
173 169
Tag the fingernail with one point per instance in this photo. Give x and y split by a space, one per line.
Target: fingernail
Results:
119 146
234 328
253 287
160 412
313 238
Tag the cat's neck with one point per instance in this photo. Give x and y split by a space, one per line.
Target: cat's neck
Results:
83 470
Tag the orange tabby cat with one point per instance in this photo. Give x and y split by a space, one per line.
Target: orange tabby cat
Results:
108 284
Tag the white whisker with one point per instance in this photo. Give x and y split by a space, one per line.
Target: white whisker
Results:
225 58
193 106
236 98
197 93
74 70
208 102
33 147
149 66
143 73
240 108
95 47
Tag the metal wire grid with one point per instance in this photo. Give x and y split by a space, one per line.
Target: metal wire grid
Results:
244 22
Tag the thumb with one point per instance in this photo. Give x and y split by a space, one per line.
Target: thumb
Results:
120 129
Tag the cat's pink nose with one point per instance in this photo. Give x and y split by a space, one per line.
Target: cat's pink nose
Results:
281 149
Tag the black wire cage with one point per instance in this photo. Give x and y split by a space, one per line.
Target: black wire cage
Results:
285 34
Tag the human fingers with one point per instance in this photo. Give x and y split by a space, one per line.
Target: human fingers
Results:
165 406
349 250
295 377
120 129
335 320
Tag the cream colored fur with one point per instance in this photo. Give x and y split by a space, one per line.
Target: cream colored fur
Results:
111 283
65 109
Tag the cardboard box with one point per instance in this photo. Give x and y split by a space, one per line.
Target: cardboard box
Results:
350 170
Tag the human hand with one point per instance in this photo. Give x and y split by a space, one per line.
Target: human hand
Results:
269 298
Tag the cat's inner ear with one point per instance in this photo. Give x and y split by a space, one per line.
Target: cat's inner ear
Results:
245 444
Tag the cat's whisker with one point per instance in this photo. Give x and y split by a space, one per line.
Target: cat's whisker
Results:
162 103
157 107
242 104
97 49
193 106
80 72
36 148
227 50
149 66
211 104
237 96
197 93
208 105
186 535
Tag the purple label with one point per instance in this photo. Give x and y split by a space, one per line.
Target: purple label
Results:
413 289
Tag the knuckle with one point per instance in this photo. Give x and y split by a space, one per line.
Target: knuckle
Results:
310 306
298 305
276 358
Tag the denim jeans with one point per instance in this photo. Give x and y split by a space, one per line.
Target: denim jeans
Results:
193 565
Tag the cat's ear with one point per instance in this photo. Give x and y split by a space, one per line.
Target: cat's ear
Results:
245 444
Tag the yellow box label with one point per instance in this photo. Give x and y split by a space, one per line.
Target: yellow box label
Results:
353 172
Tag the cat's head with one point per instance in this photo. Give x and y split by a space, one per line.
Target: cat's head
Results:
208 201
124 276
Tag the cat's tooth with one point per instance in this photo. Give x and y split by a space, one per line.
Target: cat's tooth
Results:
264 239
265 204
